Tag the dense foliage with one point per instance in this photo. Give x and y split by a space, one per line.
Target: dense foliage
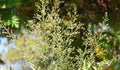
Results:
62 35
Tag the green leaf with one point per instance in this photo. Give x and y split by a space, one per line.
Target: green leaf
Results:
4 6
8 23
12 21
16 25
15 21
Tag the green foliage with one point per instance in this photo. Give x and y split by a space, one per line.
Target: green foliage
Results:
12 13
48 45
8 12
12 21
5 4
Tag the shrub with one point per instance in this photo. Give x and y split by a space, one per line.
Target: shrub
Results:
48 43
